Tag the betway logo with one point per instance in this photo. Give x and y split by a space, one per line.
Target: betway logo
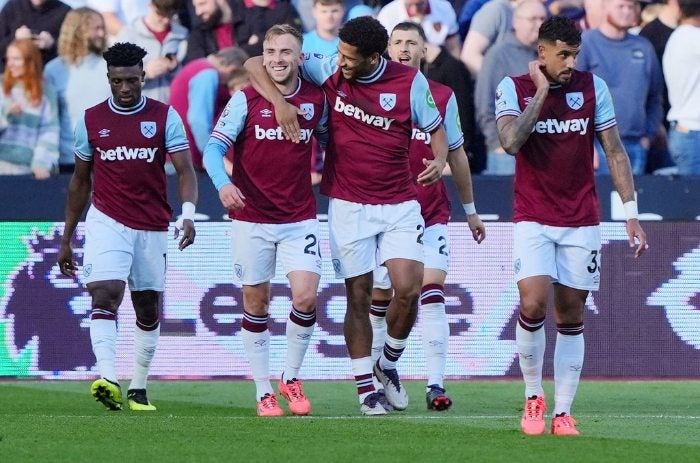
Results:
122 153
557 126
360 115
277 134
419 135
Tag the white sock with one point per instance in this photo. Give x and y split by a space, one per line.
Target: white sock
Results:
257 349
531 345
145 343
362 370
377 318
298 338
393 348
568 361
436 333
103 334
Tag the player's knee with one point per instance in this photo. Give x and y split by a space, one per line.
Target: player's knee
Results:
533 307
106 295
305 303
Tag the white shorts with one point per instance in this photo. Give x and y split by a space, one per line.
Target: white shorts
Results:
570 255
436 254
114 251
364 235
256 246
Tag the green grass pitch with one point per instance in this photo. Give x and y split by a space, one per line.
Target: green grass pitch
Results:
620 421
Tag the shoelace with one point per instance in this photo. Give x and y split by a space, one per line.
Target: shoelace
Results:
269 402
565 421
393 376
533 409
295 390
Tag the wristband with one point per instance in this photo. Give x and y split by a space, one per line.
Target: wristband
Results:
469 208
187 211
631 210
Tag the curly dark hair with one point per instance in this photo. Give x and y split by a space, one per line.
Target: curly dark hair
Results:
124 54
365 33
559 28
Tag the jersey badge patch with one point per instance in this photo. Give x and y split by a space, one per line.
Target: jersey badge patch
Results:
387 101
309 108
148 129
574 100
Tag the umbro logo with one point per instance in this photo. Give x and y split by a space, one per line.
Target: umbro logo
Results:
342 94
104 133
266 112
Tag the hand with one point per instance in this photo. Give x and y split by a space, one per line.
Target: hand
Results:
635 233
15 109
537 75
188 234
44 40
40 173
156 67
23 32
432 173
286 116
477 227
66 264
231 197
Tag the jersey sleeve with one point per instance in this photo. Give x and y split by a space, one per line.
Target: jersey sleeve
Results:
175 137
507 99
453 127
82 147
321 130
317 68
604 109
230 125
424 112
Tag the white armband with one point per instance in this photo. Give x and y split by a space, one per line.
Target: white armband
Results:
469 208
631 211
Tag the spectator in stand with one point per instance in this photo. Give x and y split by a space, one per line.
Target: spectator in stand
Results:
165 43
28 116
256 17
437 17
466 13
36 20
682 71
77 75
213 30
439 65
510 57
593 17
199 93
328 16
628 64
118 13
658 32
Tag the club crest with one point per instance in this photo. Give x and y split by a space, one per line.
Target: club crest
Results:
574 100
387 101
309 108
148 129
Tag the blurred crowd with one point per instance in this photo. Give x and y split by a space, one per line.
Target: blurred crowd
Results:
52 68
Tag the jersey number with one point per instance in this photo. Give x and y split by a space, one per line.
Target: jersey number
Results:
312 244
442 249
593 266
421 232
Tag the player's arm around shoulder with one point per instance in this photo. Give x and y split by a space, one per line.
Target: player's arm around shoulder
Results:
621 176
514 130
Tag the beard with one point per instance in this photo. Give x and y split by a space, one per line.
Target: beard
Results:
214 20
97 46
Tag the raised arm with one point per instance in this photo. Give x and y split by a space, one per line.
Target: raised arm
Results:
514 131
621 175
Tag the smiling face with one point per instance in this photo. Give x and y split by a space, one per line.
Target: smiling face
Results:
125 83
14 61
559 60
352 64
282 58
406 47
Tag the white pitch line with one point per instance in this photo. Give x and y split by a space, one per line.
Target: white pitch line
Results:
390 417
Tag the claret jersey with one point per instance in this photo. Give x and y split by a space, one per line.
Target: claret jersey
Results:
372 121
273 173
554 175
128 148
